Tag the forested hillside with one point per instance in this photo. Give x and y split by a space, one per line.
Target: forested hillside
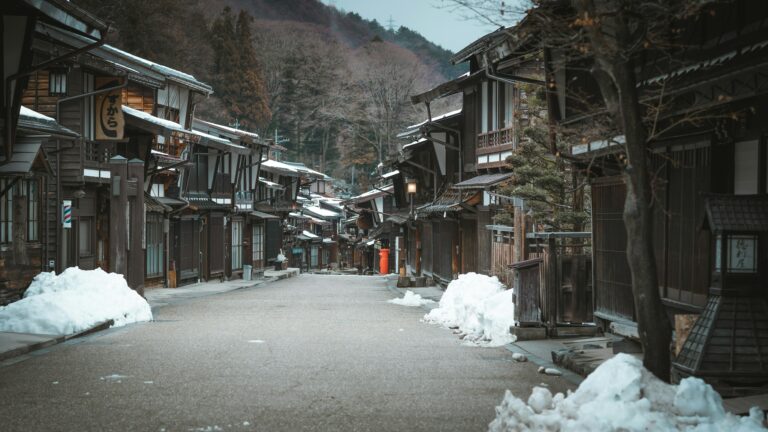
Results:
332 87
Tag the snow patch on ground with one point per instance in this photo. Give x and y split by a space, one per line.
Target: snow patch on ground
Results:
411 299
622 395
480 307
74 301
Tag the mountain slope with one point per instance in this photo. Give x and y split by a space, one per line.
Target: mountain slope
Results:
348 27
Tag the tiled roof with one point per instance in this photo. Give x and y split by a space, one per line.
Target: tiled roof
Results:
449 201
483 181
737 212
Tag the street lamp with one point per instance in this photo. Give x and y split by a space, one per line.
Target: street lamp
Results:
411 189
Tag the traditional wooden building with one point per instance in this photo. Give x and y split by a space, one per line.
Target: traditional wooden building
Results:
27 246
709 163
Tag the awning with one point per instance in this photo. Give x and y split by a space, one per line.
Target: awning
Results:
451 201
271 185
206 204
171 202
483 181
262 215
154 205
26 151
327 240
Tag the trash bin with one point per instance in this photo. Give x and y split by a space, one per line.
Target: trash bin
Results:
247 272
384 261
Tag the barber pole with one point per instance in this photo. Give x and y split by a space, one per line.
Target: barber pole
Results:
66 212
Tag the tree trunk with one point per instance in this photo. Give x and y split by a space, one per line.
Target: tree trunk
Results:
653 324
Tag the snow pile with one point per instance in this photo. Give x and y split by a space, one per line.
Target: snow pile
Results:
74 301
479 306
410 299
622 395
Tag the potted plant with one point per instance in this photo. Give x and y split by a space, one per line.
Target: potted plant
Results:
279 260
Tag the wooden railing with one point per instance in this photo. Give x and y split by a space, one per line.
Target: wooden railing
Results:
496 138
172 146
98 152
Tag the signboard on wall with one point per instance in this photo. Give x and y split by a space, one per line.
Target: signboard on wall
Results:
109 121
66 213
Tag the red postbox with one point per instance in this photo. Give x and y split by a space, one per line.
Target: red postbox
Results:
384 261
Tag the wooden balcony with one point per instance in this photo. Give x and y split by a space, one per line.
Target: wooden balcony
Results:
172 146
495 141
97 154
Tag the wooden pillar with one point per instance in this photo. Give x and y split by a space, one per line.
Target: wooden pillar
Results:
118 242
418 250
551 283
137 239
19 224
519 234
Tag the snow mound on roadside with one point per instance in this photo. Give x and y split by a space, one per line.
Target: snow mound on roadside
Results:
622 395
479 306
74 301
410 299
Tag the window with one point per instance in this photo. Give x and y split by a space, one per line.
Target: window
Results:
57 82
30 190
258 244
746 163
237 244
509 105
6 212
484 107
495 106
157 190
313 257
85 236
155 252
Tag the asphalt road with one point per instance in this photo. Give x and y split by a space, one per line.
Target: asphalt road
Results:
323 353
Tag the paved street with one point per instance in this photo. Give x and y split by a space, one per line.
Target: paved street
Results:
307 353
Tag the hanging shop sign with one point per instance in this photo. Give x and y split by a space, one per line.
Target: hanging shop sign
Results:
110 124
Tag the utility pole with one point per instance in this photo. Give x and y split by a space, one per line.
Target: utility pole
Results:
391 24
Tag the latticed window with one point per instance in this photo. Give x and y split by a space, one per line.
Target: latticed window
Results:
6 212
237 244
30 191
258 243
155 251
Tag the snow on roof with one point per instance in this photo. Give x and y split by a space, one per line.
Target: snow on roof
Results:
310 235
367 196
26 112
291 167
319 211
168 72
434 119
173 126
418 141
270 184
279 167
231 130
390 174
410 130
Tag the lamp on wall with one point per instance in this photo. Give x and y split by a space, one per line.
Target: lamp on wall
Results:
410 187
